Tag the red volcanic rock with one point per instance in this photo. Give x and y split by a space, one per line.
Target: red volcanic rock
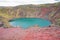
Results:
33 33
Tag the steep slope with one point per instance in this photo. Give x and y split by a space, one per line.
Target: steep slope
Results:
47 11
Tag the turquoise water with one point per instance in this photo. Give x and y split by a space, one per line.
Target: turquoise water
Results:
28 22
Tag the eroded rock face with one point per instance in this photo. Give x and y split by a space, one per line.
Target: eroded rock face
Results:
1 24
46 11
33 33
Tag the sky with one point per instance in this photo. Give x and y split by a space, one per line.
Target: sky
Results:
24 2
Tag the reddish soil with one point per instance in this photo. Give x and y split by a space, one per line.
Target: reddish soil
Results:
33 33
